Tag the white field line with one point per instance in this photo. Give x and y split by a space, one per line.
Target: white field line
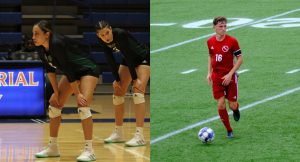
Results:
229 29
168 135
293 71
189 71
242 71
162 24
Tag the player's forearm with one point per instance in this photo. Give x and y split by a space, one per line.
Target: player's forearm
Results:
52 78
209 68
237 65
75 88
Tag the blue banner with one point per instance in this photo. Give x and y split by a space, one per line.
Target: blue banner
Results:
22 91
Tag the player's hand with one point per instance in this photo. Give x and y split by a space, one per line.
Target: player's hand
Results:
137 85
209 81
226 79
54 100
81 100
117 88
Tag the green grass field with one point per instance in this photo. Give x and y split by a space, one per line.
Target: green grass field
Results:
266 132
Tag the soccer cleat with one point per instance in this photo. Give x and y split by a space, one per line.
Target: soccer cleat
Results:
230 134
49 151
115 137
137 140
236 115
86 155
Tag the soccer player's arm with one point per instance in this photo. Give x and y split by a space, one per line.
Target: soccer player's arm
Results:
209 67
238 54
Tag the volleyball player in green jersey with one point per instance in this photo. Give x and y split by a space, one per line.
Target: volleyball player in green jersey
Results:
80 76
135 67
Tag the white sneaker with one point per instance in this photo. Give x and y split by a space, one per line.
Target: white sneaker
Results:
49 151
87 155
137 140
115 137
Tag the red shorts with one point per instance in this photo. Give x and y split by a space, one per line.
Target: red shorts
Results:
230 92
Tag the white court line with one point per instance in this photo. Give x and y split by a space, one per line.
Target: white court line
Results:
162 24
37 121
168 135
208 35
293 71
242 71
122 148
189 71
131 151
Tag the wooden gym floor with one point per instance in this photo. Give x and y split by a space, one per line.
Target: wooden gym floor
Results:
21 139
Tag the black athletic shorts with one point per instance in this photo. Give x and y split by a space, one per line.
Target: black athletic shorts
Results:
145 61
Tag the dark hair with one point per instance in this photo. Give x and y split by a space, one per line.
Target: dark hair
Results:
219 19
44 25
102 24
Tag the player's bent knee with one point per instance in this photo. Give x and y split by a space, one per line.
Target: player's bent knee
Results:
54 112
138 98
118 100
84 112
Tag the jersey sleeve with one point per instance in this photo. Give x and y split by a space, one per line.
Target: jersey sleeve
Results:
61 55
112 62
209 48
123 41
236 48
42 56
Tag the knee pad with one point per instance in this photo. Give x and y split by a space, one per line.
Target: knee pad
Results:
84 112
54 112
138 98
118 100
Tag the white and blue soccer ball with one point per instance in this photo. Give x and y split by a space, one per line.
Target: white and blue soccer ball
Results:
206 135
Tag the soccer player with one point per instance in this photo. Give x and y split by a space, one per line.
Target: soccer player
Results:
222 71
80 76
135 67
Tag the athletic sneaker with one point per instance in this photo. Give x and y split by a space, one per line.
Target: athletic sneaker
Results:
49 151
115 137
137 140
230 134
87 155
236 115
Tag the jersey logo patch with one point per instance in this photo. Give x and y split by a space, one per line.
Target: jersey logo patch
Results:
212 47
225 48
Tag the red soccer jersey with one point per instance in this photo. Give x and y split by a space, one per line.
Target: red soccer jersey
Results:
222 55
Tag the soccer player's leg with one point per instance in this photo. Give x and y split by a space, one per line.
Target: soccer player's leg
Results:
65 91
143 73
218 92
87 86
232 91
118 101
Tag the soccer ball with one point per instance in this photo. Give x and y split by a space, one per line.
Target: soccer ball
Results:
206 135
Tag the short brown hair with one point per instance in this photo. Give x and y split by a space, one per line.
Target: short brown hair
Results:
219 19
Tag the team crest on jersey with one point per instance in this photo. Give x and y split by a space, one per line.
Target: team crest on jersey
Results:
225 48
212 47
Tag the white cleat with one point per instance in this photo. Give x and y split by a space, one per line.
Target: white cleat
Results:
115 137
86 155
49 151
137 140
